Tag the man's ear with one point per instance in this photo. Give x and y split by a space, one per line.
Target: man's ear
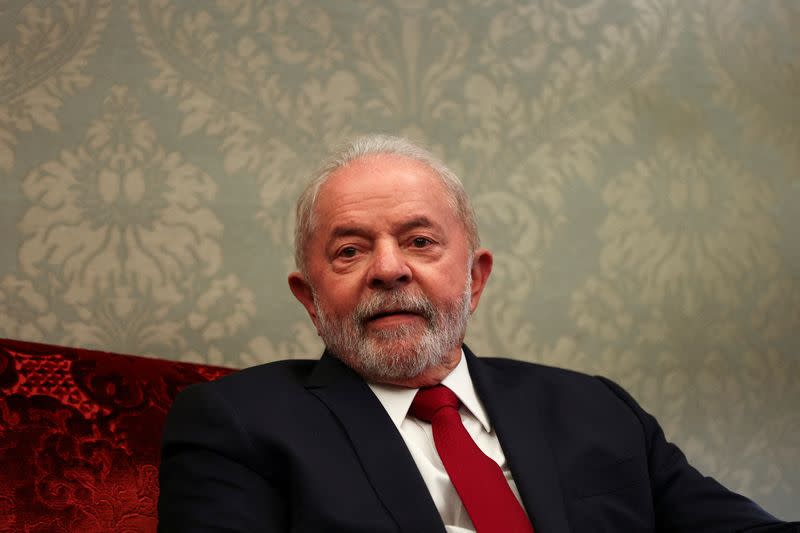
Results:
302 291
481 268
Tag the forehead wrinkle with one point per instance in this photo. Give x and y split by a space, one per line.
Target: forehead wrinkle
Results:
349 231
420 221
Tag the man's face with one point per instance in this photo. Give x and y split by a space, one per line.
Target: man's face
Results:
390 277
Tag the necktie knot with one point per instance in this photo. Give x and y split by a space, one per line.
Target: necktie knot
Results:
430 399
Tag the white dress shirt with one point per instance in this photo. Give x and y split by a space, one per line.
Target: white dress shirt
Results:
418 436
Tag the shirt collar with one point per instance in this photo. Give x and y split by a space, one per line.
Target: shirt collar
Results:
397 400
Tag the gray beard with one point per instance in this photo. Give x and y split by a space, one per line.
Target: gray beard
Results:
403 352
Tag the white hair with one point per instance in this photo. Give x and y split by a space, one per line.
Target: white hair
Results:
376 144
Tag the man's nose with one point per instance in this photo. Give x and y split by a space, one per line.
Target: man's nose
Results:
389 267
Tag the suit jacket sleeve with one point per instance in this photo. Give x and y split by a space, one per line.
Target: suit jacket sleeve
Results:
684 499
210 478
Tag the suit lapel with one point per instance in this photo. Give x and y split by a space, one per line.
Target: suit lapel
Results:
515 415
379 446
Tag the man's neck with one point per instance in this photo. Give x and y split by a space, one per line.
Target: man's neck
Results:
431 376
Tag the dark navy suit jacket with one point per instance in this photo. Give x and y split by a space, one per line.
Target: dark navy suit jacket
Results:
306 446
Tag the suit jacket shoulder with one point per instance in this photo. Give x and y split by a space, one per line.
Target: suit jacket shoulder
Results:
294 445
604 460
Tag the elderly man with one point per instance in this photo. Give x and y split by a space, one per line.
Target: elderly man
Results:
399 427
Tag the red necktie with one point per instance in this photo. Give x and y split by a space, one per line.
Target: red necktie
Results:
479 481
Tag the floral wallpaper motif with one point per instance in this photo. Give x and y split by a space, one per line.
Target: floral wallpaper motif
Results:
634 167
44 61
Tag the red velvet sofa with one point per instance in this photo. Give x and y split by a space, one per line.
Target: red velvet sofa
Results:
80 432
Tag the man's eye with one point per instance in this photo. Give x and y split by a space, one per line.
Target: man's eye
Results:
420 242
348 251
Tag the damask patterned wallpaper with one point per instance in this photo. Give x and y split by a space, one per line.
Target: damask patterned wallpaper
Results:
635 165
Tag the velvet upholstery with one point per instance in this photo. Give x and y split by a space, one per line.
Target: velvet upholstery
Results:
80 434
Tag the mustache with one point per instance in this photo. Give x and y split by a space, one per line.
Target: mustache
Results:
394 302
